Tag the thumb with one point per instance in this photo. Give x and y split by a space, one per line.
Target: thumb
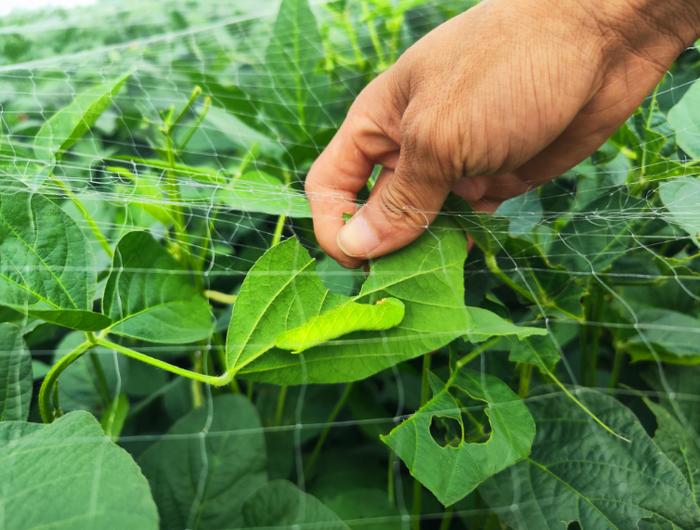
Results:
400 208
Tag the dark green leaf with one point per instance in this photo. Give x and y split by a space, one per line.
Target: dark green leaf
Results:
69 475
665 333
593 240
79 385
679 440
541 352
150 296
280 504
46 266
15 374
208 463
580 473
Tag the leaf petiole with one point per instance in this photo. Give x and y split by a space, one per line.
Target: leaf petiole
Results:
213 380
46 406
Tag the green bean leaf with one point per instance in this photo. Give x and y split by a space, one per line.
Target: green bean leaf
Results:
60 132
280 504
454 468
68 474
47 269
15 374
577 472
150 296
282 292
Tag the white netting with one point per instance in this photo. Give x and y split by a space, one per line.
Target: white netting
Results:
215 173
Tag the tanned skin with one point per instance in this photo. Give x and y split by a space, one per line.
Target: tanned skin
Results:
490 104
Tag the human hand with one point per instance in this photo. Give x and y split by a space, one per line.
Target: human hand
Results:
490 104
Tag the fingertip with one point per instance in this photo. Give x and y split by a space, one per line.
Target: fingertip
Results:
358 239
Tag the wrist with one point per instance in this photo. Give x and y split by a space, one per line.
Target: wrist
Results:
648 27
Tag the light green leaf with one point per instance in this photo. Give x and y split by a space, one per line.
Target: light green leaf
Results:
208 463
541 352
150 297
684 118
47 269
68 474
259 192
292 61
341 320
280 504
283 292
453 471
15 374
580 473
145 194
681 197
486 324
60 132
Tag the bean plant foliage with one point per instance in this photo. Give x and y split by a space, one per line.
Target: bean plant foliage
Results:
177 352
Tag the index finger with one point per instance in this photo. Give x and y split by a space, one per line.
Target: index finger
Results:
367 137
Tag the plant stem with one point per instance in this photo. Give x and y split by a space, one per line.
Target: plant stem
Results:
617 368
374 36
281 401
590 339
417 504
48 386
390 486
494 267
476 352
424 382
279 228
213 380
316 452
102 386
222 298
197 396
197 122
92 224
447 518
543 299
525 378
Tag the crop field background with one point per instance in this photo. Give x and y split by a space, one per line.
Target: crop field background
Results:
177 352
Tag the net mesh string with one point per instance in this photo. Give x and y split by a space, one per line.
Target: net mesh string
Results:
33 73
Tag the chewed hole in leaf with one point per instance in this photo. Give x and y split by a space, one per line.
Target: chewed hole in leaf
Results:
473 427
477 428
447 432
574 526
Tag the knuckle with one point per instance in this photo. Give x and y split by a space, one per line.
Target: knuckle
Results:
401 204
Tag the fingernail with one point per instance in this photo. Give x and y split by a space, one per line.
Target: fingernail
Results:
357 239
